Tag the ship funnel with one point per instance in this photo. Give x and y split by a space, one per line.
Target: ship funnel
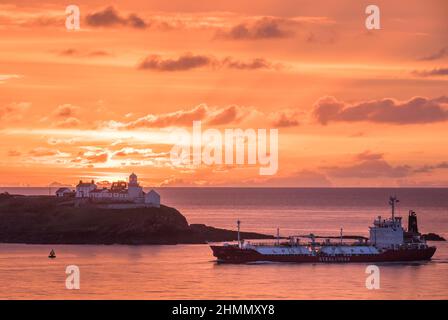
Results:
412 222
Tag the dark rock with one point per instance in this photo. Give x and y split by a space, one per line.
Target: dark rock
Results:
47 219
433 237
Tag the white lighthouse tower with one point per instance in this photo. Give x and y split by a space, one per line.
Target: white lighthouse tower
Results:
134 189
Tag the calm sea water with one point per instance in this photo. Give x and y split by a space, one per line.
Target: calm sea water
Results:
189 271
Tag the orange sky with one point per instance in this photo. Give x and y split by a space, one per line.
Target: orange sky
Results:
353 107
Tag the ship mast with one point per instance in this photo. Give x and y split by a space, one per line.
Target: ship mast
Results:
392 201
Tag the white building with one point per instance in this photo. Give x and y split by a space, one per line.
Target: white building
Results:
63 192
134 189
152 199
83 189
120 191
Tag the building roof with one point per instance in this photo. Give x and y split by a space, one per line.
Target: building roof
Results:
85 184
109 191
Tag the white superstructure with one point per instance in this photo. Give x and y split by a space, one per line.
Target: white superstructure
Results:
387 233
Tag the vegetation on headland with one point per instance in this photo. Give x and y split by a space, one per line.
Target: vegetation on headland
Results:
51 220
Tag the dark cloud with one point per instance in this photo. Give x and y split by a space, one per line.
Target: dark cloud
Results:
65 110
369 169
433 72
110 17
136 22
414 111
250 65
285 119
429 168
189 61
436 55
264 28
70 52
367 155
185 62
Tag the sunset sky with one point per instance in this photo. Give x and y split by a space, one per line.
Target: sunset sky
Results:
353 107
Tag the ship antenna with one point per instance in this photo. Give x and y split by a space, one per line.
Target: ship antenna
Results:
341 235
239 239
392 201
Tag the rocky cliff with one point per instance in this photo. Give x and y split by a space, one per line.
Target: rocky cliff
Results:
51 220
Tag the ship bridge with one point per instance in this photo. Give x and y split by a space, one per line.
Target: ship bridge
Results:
387 233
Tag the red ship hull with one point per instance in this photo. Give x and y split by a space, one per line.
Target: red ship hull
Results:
234 254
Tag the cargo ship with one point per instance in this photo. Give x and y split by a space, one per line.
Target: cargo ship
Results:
388 241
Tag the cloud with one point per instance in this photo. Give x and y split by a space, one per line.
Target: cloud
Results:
6 77
367 155
138 153
65 110
91 157
285 119
136 22
69 122
70 52
179 182
189 61
185 117
56 141
369 169
263 28
433 72
67 113
429 168
177 118
225 115
254 64
96 157
14 153
14 111
414 111
436 55
110 17
45 152
304 178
